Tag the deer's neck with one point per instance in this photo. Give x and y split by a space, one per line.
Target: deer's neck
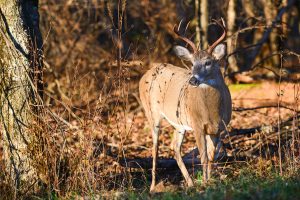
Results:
216 80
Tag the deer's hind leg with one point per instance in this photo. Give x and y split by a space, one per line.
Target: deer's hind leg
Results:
176 145
155 134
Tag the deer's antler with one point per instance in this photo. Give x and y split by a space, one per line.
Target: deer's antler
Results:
211 48
188 41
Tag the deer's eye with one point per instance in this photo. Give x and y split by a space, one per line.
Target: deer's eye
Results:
207 63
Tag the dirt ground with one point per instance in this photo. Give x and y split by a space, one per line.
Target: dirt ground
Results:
263 94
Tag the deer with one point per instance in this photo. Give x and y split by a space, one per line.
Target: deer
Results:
195 99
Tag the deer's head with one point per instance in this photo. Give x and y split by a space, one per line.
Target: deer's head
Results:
205 62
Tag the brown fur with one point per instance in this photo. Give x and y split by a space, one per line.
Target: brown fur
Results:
206 109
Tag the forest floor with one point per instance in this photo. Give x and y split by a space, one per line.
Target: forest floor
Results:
251 175
110 152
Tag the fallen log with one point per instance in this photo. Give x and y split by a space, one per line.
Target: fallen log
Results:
146 163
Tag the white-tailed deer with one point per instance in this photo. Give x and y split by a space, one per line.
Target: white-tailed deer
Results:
196 99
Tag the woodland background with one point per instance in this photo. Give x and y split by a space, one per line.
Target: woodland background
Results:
95 140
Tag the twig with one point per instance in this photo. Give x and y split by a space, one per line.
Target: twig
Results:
239 109
62 120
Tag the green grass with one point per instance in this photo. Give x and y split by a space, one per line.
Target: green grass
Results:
239 87
247 185
251 186
242 182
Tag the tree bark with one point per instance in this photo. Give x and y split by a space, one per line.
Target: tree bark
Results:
270 11
197 17
201 15
249 8
285 20
20 88
231 15
204 23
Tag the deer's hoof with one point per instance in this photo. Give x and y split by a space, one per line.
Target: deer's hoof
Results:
152 188
190 183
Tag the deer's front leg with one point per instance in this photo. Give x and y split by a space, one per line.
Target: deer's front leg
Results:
211 143
203 154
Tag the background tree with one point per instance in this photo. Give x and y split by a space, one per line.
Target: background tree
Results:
231 16
20 88
201 16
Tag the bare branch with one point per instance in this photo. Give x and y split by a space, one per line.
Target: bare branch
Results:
266 35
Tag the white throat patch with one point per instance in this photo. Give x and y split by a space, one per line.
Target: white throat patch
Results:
208 83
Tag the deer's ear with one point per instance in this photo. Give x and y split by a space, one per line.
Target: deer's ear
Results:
219 51
183 53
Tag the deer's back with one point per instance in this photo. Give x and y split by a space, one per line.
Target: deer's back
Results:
164 90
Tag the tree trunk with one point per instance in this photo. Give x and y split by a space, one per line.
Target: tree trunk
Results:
249 8
201 15
204 23
197 17
231 15
285 20
270 11
20 88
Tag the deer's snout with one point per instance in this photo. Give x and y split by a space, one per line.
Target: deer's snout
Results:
194 81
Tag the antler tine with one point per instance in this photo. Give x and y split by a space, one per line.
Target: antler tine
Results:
179 25
188 41
223 22
211 48
187 26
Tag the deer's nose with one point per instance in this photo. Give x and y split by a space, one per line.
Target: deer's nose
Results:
194 81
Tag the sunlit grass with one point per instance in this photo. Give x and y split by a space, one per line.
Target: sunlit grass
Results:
247 185
239 87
